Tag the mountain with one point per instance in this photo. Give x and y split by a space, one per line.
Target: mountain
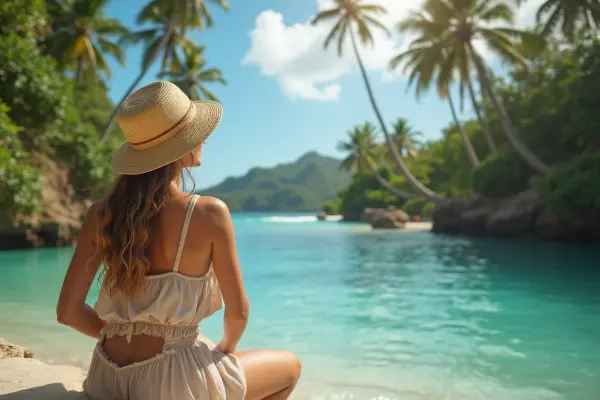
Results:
303 185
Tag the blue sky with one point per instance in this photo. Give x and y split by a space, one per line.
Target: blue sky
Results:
285 96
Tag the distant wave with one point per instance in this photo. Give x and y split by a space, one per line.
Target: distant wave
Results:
290 220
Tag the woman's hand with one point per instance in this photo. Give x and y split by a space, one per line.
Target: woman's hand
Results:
224 348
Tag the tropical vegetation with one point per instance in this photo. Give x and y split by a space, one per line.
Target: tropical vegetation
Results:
54 77
533 125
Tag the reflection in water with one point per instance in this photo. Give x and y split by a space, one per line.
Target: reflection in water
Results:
503 312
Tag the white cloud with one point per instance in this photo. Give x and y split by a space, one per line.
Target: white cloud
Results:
294 55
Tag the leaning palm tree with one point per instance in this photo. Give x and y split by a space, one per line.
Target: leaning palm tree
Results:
192 73
454 25
351 15
172 15
82 37
426 63
571 15
360 155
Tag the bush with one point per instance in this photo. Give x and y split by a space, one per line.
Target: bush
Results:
573 188
418 206
20 185
27 17
332 207
88 158
501 175
29 83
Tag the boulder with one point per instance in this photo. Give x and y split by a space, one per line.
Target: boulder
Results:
321 215
367 214
9 350
473 222
549 226
516 216
389 219
447 216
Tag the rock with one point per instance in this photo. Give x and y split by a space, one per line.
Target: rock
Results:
473 222
9 350
389 219
321 215
549 226
61 215
516 216
30 379
367 214
447 216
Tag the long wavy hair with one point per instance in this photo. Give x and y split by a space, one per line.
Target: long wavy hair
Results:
126 218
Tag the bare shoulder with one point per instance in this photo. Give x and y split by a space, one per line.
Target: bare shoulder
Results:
213 212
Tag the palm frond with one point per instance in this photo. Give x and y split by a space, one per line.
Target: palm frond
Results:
333 33
364 33
208 94
326 15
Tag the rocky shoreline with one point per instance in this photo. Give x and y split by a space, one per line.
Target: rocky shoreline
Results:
24 378
522 216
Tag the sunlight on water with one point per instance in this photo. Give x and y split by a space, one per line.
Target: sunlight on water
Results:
390 316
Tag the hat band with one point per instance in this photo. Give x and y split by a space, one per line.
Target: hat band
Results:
169 133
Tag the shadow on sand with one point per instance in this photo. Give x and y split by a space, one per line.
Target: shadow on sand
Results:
52 391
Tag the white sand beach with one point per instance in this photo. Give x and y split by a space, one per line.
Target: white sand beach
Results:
28 379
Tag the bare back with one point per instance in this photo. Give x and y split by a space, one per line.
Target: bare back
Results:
169 233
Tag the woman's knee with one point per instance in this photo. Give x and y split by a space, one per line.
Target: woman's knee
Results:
295 366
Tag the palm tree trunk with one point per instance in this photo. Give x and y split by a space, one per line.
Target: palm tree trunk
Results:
143 72
527 155
386 184
78 71
402 167
461 131
487 132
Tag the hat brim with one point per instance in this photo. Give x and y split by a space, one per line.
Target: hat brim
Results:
129 161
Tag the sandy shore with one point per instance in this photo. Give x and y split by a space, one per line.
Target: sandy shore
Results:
418 226
28 379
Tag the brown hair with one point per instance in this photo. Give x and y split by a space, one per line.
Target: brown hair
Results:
125 220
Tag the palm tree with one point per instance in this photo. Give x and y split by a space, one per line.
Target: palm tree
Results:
82 37
426 63
453 25
570 14
360 155
406 138
171 15
351 15
193 72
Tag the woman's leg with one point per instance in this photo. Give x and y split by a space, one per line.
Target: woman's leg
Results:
270 374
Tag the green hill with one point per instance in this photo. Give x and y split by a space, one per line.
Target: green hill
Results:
303 185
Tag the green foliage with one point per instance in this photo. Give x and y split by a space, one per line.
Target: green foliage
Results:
300 186
25 17
29 83
333 207
19 184
572 189
501 175
363 192
418 206
9 134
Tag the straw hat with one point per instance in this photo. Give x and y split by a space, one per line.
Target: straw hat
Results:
161 125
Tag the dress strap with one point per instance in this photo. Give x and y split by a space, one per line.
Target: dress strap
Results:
184 230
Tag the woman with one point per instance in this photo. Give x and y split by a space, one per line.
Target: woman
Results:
169 259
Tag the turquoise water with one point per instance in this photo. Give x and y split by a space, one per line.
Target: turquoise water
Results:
378 315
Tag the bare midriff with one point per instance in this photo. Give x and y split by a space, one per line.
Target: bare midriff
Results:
140 348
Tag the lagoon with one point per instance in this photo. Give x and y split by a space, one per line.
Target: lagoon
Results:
378 315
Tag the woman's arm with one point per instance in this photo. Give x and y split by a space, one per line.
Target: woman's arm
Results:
227 269
72 309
